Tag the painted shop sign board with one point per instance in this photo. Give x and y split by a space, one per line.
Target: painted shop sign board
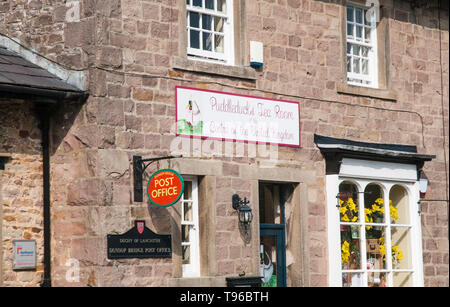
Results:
225 116
139 242
24 254
165 187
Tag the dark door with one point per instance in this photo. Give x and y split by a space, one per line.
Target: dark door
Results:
272 235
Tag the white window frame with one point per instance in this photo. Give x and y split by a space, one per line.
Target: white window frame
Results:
227 57
360 79
193 268
385 175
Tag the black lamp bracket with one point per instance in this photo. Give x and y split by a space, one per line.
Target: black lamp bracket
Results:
237 201
139 167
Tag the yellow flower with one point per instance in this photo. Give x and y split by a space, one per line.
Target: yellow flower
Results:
381 240
395 248
343 210
341 202
367 211
375 208
379 201
393 212
368 227
382 250
345 218
399 255
345 252
354 219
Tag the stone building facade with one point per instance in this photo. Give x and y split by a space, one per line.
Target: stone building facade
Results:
130 56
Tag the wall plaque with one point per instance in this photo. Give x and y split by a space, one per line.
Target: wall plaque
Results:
24 254
139 242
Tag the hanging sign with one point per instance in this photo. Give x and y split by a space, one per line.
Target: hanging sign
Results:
226 116
139 242
165 187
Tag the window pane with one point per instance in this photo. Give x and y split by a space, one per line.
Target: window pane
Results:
218 43
195 39
350 29
350 14
188 2
185 231
197 3
356 66
359 33
222 5
365 51
350 247
401 247
399 205
209 4
218 24
376 279
187 210
187 195
352 280
348 202
358 15
349 48
367 32
356 49
207 41
402 279
194 19
349 64
206 22
375 247
373 204
186 254
365 67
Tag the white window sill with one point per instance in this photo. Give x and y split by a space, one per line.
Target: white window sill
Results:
385 94
239 72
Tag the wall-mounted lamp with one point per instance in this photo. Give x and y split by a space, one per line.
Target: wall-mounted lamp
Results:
423 183
244 212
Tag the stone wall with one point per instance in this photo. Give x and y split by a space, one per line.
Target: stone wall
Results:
129 49
21 198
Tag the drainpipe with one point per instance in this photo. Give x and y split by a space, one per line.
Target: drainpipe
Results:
43 113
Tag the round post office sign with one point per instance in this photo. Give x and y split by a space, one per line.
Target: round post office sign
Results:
165 187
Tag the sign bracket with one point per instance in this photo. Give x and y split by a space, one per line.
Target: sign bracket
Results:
139 168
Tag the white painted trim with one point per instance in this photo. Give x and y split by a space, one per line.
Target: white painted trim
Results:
192 269
380 170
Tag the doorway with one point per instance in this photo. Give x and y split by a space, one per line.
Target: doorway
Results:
272 197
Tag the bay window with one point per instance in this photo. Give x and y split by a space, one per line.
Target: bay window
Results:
373 209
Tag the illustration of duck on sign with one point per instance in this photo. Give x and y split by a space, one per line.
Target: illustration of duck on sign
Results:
191 124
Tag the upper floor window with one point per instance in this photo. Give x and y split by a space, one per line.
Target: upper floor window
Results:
210 30
362 66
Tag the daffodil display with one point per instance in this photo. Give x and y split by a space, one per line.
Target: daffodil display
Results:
348 210
397 254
